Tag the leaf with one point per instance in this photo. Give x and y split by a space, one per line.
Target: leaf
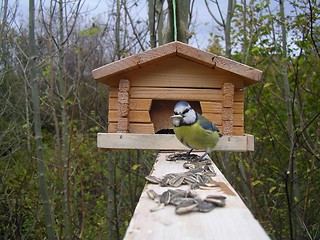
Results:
135 167
272 189
257 182
272 180
268 84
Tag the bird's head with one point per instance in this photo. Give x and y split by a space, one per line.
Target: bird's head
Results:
184 114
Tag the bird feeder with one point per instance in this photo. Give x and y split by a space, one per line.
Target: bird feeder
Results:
145 87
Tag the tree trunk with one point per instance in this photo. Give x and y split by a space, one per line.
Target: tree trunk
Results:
227 29
37 124
64 126
292 168
152 23
178 21
155 22
4 13
111 191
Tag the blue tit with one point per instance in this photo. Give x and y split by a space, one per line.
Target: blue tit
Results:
194 130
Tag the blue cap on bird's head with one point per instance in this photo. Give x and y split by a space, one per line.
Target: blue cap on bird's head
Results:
183 114
180 106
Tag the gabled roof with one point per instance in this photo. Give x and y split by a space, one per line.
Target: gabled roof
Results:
250 75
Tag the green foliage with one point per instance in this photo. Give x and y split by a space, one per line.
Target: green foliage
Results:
90 32
265 184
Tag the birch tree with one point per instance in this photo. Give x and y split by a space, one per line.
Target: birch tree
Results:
37 124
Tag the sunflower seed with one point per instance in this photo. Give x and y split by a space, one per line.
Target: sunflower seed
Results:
165 197
153 179
185 207
151 194
217 202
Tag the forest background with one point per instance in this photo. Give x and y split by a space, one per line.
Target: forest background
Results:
55 184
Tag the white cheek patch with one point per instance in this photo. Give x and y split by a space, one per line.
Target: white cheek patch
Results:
190 117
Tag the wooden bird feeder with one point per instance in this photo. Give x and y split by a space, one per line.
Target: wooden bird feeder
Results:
145 87
143 91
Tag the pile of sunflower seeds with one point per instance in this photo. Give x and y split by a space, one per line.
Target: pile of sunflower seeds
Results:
183 157
185 201
199 177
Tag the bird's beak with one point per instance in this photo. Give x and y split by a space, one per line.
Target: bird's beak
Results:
176 116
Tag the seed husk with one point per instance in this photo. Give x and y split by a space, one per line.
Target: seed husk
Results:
217 202
165 197
151 194
216 196
205 206
153 179
157 208
184 208
176 181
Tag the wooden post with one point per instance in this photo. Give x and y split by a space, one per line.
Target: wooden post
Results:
234 221
123 109
227 108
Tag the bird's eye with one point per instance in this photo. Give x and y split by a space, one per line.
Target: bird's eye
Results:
185 111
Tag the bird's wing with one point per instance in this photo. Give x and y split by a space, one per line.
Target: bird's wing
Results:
206 124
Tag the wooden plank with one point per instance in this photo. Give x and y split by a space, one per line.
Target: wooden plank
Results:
112 127
167 142
251 74
213 117
238 95
134 104
234 221
196 55
178 71
113 92
150 128
113 116
116 67
176 94
134 116
141 128
238 107
238 119
113 103
211 107
156 54
216 107
247 74
140 104
238 131
139 117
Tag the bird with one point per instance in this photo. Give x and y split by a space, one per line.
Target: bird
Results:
193 130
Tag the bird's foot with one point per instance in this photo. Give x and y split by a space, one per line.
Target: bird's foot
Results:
182 156
203 157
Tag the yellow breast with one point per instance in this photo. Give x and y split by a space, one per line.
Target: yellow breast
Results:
194 136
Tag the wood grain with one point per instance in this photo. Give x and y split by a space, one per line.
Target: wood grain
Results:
140 104
110 72
176 94
167 142
178 72
134 116
234 221
141 128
